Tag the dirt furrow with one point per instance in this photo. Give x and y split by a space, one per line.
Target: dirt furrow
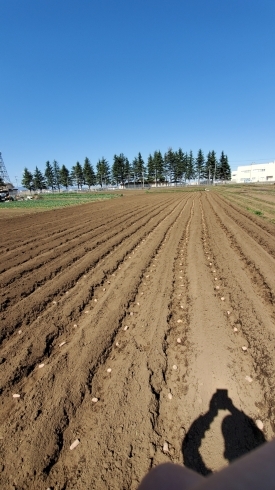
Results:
68 360
29 276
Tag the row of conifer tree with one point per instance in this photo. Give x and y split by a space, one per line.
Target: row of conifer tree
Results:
174 167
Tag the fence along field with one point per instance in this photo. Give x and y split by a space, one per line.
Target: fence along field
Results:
136 331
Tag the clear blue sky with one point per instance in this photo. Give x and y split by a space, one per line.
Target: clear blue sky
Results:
98 77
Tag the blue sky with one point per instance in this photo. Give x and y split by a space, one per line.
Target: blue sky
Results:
98 77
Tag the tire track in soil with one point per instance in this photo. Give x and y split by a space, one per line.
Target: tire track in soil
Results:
63 405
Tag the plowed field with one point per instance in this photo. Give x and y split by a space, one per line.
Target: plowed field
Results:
161 308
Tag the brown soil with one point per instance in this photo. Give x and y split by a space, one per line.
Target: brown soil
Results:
120 282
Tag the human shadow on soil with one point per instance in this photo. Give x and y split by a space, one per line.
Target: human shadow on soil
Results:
240 433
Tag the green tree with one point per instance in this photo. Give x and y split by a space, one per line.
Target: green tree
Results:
49 175
120 169
77 175
174 165
65 178
138 168
88 173
199 165
39 180
155 168
27 179
223 168
56 172
102 172
190 168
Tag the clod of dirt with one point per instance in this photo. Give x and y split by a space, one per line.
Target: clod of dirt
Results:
259 424
54 302
131 313
16 395
165 447
94 400
74 444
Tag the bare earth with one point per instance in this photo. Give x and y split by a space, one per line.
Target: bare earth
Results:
150 287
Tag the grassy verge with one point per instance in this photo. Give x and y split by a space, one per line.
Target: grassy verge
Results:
64 199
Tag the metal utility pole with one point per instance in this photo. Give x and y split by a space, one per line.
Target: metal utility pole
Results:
3 172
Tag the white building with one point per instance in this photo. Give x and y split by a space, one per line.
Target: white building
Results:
256 172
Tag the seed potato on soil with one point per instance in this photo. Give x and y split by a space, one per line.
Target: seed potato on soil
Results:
125 414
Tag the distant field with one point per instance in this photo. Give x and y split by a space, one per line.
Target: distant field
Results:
257 199
58 200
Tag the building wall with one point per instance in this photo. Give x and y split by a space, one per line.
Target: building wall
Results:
263 172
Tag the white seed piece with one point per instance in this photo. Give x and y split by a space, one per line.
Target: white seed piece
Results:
54 302
170 396
244 348
216 278
179 321
179 341
235 329
95 300
141 294
126 328
138 303
75 325
259 424
86 312
109 370
131 314
214 270
62 343
16 395
181 307
41 365
117 344
165 447
147 276
74 444
104 289
249 379
175 367
94 400
20 331
217 287
222 298
210 263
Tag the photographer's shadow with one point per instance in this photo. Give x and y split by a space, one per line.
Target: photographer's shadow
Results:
240 433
